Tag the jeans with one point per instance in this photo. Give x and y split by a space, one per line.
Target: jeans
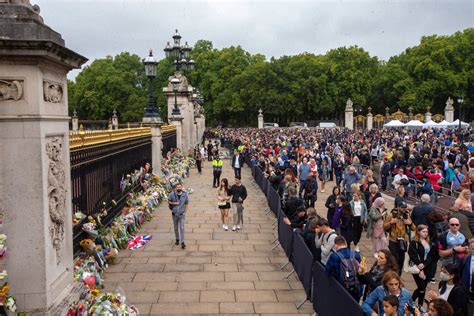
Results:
384 183
237 172
399 254
216 180
302 186
238 213
358 228
178 223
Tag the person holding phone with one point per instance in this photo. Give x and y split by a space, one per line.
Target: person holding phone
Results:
391 285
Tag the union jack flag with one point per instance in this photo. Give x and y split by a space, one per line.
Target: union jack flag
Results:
138 242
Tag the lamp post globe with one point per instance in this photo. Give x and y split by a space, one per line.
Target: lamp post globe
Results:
179 54
152 113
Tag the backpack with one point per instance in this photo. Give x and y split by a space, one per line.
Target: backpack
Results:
426 188
348 269
440 227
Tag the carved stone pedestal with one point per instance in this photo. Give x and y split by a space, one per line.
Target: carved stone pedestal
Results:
34 159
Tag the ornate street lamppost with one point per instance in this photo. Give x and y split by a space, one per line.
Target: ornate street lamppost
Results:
175 83
460 102
152 113
179 53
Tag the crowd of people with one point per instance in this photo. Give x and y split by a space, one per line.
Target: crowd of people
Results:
413 234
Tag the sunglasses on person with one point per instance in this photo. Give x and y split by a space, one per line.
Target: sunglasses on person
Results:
454 224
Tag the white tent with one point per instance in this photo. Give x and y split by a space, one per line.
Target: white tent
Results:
414 124
394 123
430 123
456 123
444 123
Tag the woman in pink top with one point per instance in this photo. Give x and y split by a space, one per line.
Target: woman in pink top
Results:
463 202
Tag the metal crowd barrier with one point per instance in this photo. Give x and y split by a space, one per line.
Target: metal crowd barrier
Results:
326 294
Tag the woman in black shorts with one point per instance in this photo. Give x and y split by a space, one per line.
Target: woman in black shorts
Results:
223 202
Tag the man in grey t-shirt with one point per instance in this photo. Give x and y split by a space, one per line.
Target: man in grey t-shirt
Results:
178 203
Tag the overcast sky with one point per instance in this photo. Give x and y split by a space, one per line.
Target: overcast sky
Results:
274 28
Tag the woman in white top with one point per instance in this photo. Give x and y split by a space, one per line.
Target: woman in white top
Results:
359 219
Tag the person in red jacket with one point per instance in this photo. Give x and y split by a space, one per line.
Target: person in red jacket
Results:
434 175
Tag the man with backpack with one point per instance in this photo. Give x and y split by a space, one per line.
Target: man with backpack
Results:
324 240
343 265
178 204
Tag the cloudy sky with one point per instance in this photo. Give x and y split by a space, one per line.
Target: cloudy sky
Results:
385 28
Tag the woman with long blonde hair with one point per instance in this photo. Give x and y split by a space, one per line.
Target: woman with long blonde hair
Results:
463 202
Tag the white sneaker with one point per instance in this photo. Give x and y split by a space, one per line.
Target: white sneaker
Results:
223 226
233 228
238 226
356 249
226 228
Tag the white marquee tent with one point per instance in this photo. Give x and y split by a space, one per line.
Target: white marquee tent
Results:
414 124
394 123
456 123
444 124
431 123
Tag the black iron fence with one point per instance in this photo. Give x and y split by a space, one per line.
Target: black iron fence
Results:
97 170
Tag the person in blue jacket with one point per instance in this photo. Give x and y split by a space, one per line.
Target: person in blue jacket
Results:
391 285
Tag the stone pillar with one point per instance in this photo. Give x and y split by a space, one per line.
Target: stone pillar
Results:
370 119
449 110
183 99
260 119
75 121
349 118
156 148
427 115
115 123
178 122
35 182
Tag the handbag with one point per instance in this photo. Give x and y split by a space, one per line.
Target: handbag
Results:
221 203
409 266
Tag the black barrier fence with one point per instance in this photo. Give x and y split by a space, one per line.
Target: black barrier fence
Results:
302 260
328 296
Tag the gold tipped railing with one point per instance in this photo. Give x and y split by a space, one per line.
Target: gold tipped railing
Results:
83 138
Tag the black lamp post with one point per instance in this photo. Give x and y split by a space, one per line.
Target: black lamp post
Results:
175 83
460 101
152 113
179 53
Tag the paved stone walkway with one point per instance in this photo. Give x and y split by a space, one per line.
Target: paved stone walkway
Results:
220 272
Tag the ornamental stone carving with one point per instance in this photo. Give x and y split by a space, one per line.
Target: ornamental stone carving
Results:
11 89
52 92
56 193
349 105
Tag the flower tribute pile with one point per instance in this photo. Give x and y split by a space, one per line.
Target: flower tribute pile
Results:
7 302
103 243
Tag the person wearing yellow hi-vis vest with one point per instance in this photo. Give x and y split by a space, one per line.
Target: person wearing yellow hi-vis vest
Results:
217 164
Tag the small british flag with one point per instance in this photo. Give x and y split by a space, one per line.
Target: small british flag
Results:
138 242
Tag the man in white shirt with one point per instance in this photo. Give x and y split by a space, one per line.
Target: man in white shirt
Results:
397 180
326 241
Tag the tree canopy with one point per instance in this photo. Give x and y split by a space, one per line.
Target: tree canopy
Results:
303 87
